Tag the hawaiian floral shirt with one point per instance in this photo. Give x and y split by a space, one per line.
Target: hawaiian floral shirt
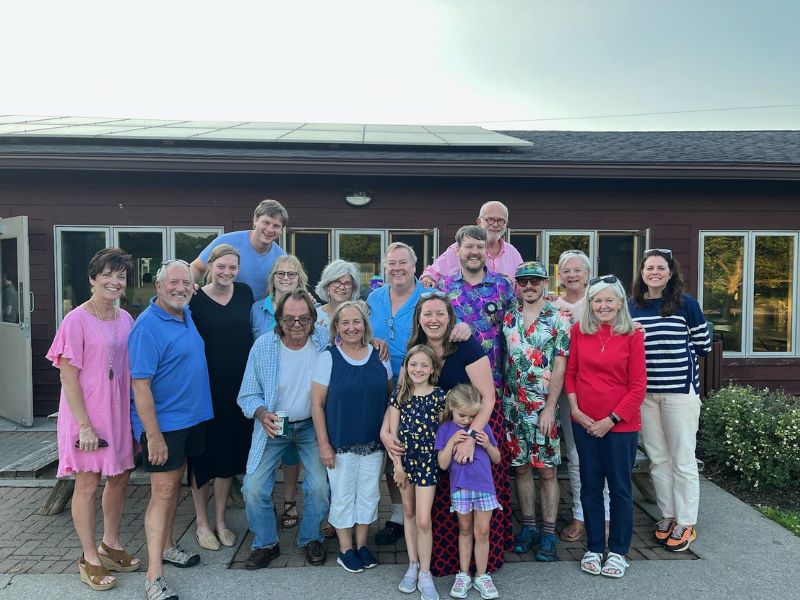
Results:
528 367
483 307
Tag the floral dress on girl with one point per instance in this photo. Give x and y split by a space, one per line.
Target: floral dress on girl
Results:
419 421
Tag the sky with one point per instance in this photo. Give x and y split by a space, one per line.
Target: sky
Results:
598 65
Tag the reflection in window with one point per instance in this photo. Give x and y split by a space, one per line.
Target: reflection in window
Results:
366 250
187 245
723 280
77 249
9 298
147 250
773 282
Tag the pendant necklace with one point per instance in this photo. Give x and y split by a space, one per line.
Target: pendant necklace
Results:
109 352
604 344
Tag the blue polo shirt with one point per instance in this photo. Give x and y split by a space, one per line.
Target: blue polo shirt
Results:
254 268
395 329
170 352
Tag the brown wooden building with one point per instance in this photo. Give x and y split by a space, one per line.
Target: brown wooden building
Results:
726 203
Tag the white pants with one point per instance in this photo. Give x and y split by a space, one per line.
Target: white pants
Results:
669 432
574 465
355 489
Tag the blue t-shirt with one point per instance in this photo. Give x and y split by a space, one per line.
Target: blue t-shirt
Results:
394 330
170 352
475 476
254 268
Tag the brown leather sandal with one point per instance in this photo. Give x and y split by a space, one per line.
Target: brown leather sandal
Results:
117 560
574 531
93 575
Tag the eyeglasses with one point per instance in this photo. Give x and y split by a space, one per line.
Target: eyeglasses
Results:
292 321
665 251
345 285
532 281
429 295
390 325
286 274
603 279
495 221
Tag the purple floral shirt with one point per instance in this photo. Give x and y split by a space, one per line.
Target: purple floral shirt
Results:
483 307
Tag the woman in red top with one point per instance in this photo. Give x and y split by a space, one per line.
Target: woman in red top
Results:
606 383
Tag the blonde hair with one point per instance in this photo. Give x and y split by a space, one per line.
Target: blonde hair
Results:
462 397
404 387
219 252
302 278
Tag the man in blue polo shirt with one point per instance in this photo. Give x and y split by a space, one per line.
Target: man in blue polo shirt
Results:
172 400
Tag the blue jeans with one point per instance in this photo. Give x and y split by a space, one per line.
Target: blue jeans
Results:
609 458
258 486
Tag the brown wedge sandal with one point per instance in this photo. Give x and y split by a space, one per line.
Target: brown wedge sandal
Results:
93 575
117 560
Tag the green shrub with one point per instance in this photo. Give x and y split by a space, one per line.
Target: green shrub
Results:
753 434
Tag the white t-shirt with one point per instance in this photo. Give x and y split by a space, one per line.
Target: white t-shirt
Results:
322 372
294 380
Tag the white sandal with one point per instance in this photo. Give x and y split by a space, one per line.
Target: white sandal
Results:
614 562
590 563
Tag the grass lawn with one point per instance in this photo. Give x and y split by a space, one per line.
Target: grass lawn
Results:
790 519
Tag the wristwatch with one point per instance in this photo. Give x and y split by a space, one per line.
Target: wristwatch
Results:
614 418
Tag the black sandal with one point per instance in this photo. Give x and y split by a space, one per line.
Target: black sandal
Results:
289 518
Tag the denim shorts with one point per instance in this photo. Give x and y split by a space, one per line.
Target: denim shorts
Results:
466 501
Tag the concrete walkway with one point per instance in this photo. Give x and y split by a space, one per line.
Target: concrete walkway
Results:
742 556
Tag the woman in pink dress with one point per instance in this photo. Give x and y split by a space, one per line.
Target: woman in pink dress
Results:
94 427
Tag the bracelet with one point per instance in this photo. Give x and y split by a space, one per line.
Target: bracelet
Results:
614 418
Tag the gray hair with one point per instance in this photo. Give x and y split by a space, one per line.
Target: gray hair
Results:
622 323
334 271
569 255
400 245
363 308
271 208
161 276
472 231
493 203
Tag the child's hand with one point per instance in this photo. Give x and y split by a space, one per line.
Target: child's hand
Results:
482 439
458 437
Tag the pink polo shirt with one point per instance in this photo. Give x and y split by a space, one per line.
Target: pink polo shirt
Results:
505 263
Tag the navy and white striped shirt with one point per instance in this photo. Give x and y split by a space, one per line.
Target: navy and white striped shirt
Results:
672 345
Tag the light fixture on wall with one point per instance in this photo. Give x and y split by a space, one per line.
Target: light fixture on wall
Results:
358 195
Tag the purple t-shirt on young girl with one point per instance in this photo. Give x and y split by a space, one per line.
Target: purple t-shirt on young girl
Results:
475 476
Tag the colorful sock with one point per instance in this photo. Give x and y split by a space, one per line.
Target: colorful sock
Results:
397 514
548 527
529 521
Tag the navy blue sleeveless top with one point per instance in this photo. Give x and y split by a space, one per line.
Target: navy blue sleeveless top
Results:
356 401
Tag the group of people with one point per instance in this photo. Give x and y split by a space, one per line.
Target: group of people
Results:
445 385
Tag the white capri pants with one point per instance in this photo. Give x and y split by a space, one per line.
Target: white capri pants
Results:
669 432
355 489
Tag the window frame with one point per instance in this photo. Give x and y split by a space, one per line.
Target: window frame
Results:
749 237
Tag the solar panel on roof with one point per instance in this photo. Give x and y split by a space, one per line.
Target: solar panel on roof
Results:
254 131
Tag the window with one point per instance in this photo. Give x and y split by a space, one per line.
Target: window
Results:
148 246
748 290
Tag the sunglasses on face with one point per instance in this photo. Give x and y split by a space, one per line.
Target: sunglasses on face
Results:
292 321
603 279
532 281
666 252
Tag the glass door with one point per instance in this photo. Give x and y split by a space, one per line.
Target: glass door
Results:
313 248
147 247
365 248
557 242
16 305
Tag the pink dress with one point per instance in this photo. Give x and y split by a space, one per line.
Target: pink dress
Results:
84 342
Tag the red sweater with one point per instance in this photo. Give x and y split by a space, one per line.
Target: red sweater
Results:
611 381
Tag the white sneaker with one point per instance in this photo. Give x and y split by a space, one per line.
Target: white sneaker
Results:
408 585
485 585
461 585
426 587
